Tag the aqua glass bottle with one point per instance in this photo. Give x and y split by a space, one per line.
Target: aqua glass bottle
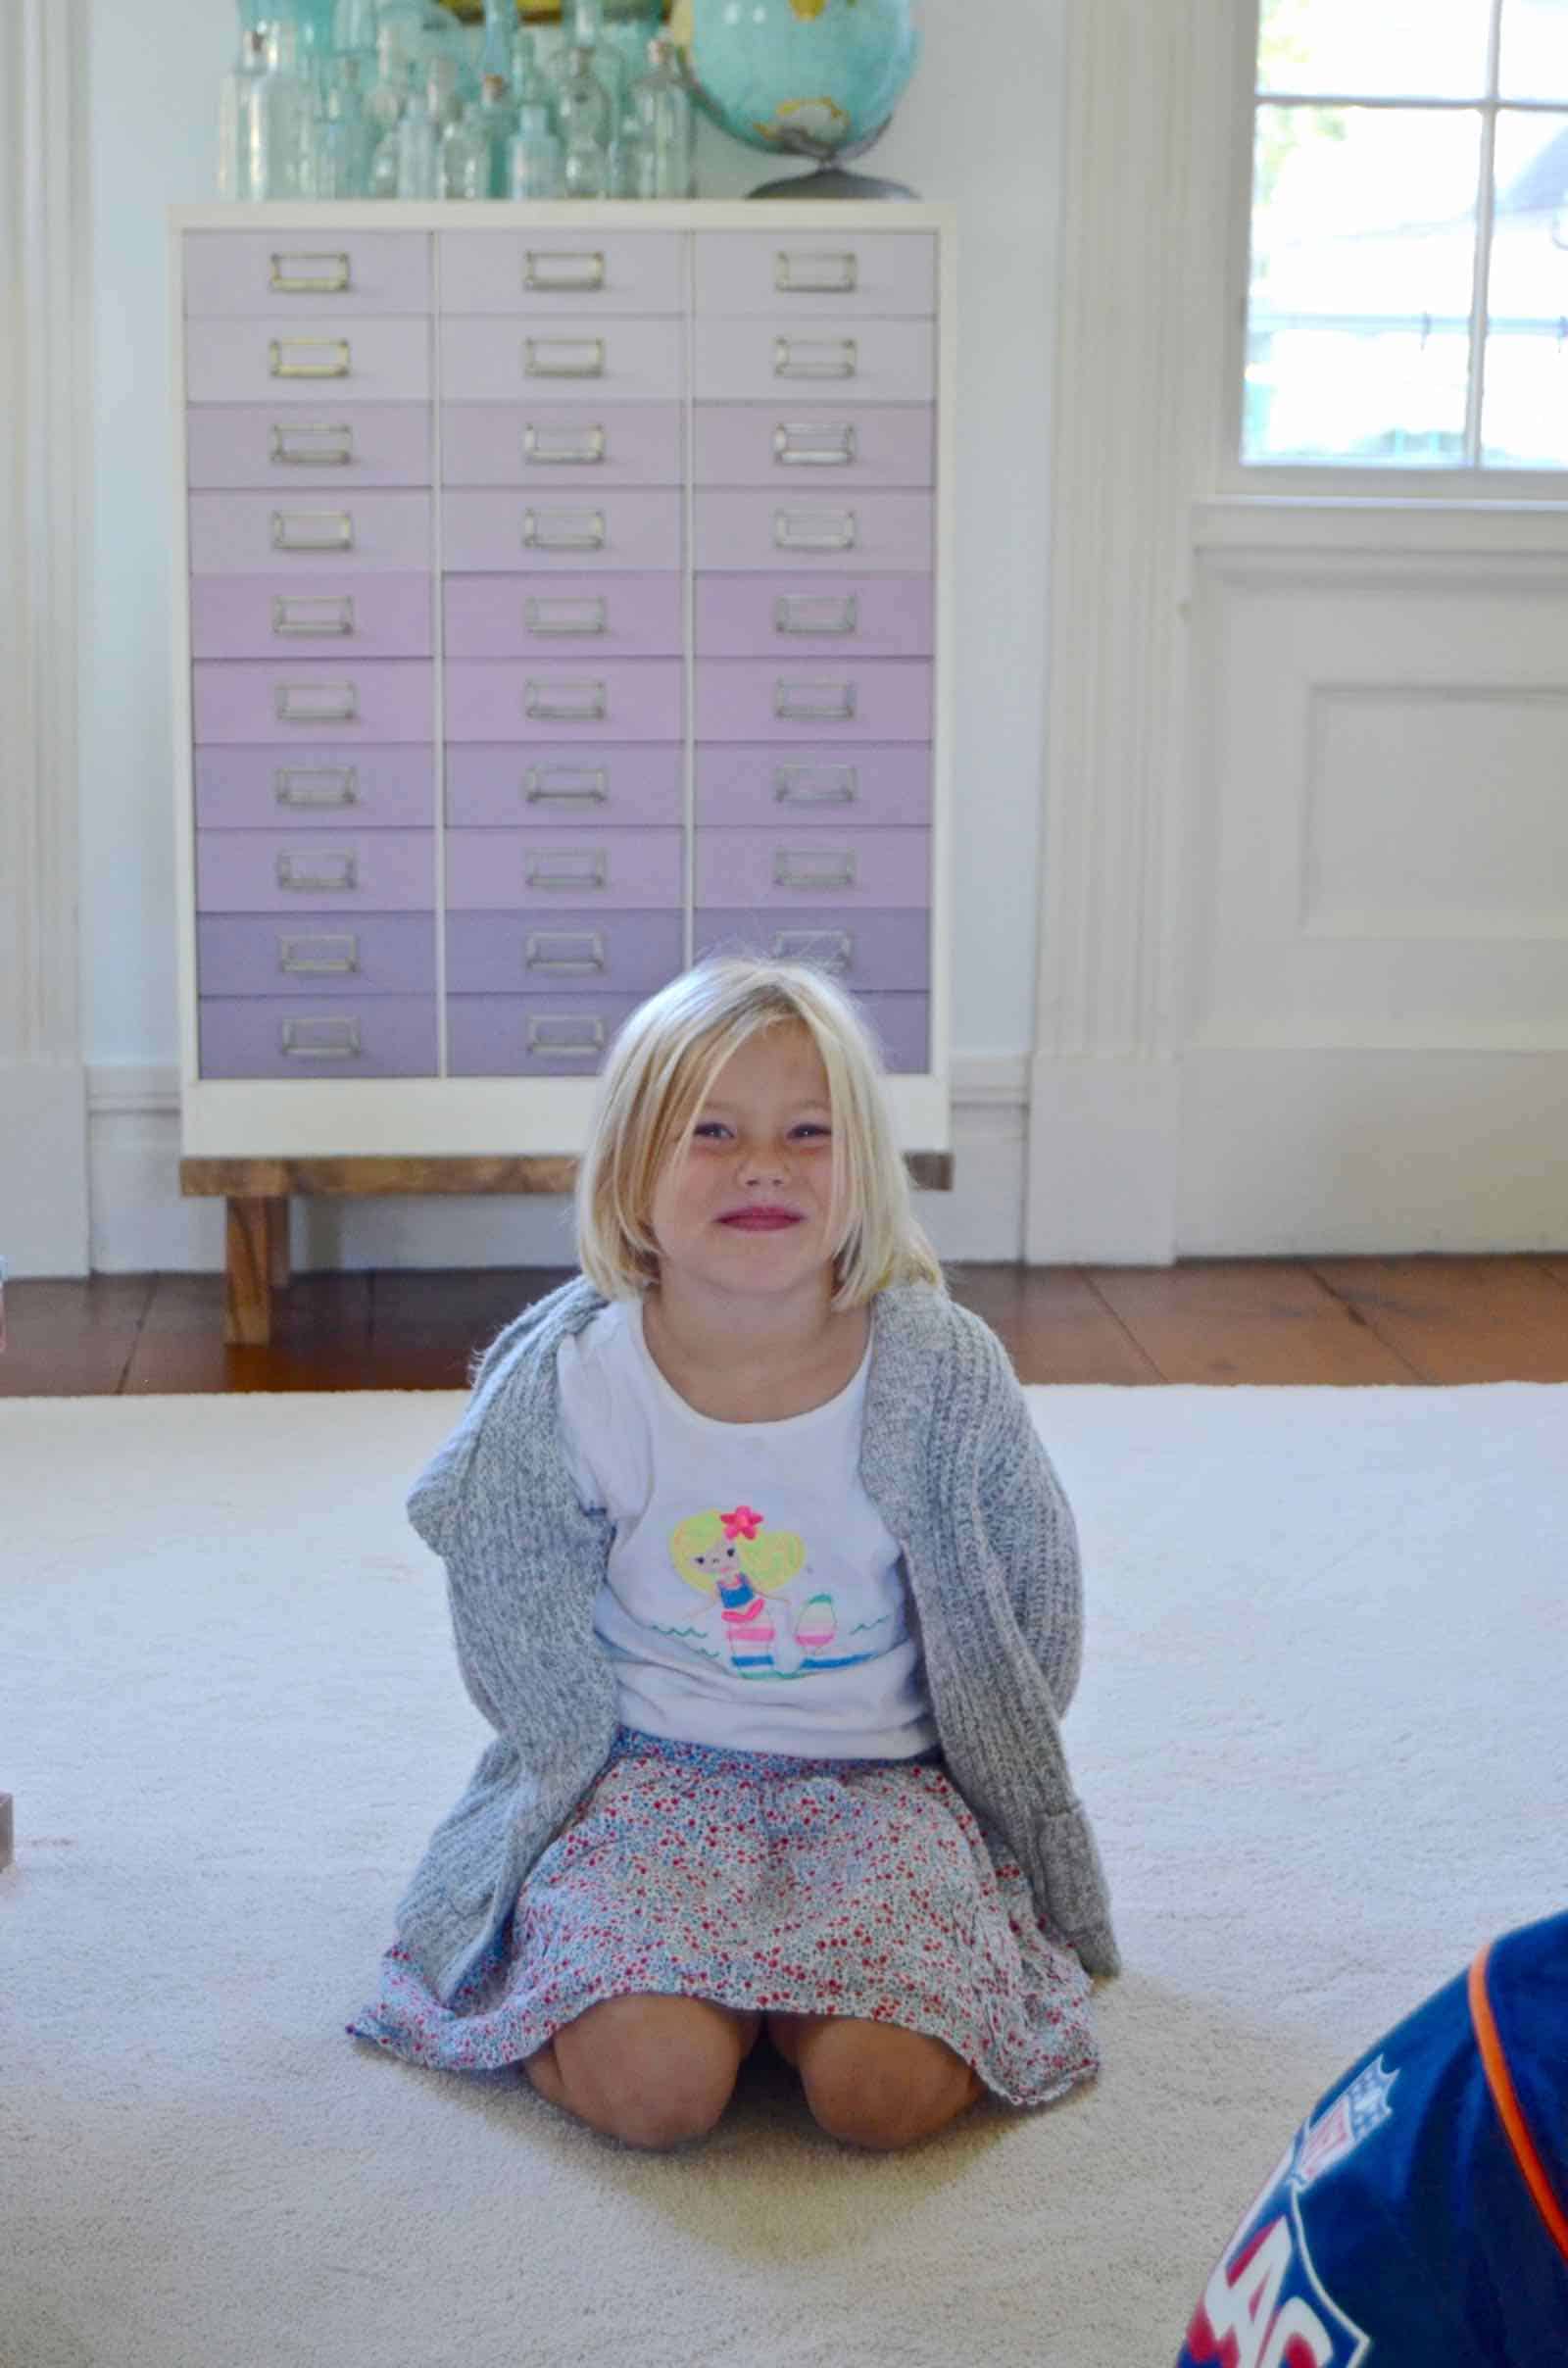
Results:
532 93
345 136
421 129
666 131
234 114
282 120
584 111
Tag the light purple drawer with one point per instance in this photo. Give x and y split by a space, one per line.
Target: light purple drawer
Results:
561 699
820 358
834 869
558 615
314 871
878 949
268 700
815 444
615 953
765 786
546 446
522 870
842 533
550 1035
332 954
315 788
308 530
843 700
815 616
588 361
870 272
308 446
638 782
507 530
291 275
552 271
292 1036
382 615
340 359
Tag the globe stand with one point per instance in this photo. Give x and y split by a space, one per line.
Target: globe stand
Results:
831 180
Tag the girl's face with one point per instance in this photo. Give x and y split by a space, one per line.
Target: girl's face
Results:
762 1141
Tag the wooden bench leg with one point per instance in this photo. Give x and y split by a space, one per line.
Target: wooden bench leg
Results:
248 1274
278 1265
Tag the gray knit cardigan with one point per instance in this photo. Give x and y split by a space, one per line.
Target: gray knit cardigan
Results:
951 1461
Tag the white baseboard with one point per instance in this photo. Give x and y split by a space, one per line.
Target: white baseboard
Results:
43 1167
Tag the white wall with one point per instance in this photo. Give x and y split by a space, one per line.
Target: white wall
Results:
978 129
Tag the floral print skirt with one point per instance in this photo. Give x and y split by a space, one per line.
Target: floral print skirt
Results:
763 1880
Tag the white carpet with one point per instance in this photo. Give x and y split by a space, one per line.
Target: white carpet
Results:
1321 1731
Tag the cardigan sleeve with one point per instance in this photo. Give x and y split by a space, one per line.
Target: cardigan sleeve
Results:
1031 1529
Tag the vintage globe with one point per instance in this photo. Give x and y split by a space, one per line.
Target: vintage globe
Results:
798 78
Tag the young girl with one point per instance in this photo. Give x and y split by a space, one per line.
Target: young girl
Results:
768 1589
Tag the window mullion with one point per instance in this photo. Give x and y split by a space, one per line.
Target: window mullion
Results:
1484 210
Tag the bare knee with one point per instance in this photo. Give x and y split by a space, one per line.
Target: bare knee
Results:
652 2071
881 2086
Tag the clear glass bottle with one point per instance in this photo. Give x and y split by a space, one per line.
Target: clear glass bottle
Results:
282 120
421 129
345 135
534 162
233 114
584 111
500 23
474 152
662 114
533 94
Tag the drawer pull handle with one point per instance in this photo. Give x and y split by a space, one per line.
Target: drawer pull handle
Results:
807 444
319 956
816 356
289 277
590 958
543 267
586 702
839 784
816 613
571 357
580 868
316 785
316 703
563 531
311 618
571 1042
340 871
312 531
833 948
313 444
320 1039
808 275
813 868
563 616
537 794
338 367
815 702
815 530
564 447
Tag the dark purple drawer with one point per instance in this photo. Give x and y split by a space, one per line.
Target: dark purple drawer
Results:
288 1036
613 952
548 446
523 870
813 616
770 785
841 698
315 788
544 697
866 950
634 782
549 1035
833 868
271 700
815 444
331 954
384 615
291 446
576 617
314 872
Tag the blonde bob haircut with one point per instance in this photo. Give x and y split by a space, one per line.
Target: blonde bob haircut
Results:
659 1071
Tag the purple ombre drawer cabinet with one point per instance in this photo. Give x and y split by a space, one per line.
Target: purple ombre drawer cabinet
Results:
561 602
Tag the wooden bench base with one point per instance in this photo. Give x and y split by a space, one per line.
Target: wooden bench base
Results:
259 1191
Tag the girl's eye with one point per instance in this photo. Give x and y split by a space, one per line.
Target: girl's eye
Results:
711 1127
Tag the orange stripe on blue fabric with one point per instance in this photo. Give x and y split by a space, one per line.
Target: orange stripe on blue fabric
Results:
1499 2080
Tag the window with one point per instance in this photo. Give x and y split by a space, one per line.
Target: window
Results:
1408 300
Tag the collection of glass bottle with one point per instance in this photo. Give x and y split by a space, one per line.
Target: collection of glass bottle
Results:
392 98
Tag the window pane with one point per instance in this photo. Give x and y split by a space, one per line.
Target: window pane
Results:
1425 49
1363 262
1524 404
1533 54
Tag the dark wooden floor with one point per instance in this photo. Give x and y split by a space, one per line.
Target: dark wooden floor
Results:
1412 1321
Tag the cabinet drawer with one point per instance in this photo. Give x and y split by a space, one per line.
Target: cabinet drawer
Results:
767 532
309 447
295 275
816 443
511 530
256 701
615 953
561 273
307 532
291 1036
636 783
315 788
591 362
549 1035
383 614
367 361
865 788
890 948
548 446
316 871
871 272
520 870
813 616
334 954
829 868
624 698
556 617
806 355
875 699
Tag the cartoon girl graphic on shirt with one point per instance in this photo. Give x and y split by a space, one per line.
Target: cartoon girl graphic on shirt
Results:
731 1558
